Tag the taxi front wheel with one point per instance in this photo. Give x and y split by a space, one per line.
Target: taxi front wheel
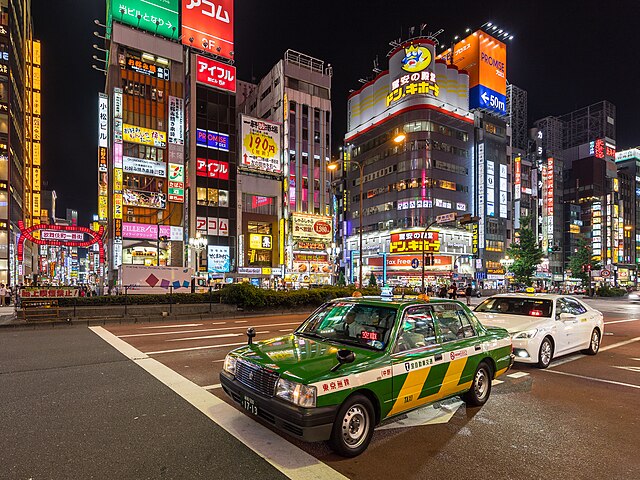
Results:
353 427
480 389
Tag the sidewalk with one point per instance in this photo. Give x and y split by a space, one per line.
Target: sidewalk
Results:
7 314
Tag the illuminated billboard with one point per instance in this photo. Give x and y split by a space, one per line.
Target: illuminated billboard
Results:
156 16
176 183
485 60
208 26
218 259
212 169
135 198
260 149
312 226
215 140
144 136
216 74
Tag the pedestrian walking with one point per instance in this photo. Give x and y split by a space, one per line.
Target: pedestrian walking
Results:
443 291
467 293
3 293
7 296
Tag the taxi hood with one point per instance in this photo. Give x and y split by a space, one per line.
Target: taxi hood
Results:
303 359
512 323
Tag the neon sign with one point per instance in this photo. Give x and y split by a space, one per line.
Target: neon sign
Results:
63 231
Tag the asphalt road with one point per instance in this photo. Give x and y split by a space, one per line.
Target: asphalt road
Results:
76 408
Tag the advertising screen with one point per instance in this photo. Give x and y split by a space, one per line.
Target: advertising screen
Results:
156 16
215 140
144 136
260 146
218 259
216 74
135 198
208 26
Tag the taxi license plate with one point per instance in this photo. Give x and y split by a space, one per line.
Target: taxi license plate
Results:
250 405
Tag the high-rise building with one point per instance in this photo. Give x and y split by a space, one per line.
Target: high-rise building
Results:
628 166
409 156
141 142
20 137
517 116
295 94
581 147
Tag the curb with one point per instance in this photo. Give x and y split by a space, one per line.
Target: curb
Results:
21 324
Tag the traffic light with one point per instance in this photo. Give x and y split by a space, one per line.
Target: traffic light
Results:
467 218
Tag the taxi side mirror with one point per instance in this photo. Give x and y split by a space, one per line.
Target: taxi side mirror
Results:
566 316
343 357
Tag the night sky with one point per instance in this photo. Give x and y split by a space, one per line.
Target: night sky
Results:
566 54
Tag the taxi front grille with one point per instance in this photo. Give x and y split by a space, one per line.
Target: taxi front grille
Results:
257 378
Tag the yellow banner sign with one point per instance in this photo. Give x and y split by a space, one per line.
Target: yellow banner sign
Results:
144 136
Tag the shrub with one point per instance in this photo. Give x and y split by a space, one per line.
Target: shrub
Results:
607 291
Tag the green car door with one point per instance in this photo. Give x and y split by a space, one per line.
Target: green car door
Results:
417 358
461 346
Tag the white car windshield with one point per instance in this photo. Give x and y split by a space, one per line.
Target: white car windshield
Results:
532 307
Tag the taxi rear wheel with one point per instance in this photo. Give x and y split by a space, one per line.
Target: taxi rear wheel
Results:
480 389
353 426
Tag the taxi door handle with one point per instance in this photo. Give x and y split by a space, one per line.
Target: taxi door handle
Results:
438 357
477 348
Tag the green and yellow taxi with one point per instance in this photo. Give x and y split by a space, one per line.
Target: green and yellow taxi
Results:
357 361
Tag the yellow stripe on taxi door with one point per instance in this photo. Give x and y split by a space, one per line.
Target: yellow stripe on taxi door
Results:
408 397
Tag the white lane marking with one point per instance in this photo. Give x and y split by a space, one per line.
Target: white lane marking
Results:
623 321
202 330
212 387
592 378
241 321
159 352
222 335
285 330
517 375
286 457
497 382
620 344
571 358
631 369
174 326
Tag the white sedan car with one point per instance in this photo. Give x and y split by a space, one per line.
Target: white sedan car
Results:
544 327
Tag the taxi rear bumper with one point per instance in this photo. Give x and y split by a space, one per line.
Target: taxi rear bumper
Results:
307 424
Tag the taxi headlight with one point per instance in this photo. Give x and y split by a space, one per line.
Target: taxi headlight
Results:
230 364
526 334
296 393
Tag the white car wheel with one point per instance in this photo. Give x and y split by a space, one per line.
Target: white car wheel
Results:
545 354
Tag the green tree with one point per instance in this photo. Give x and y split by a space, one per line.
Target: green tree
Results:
579 261
341 280
526 253
372 280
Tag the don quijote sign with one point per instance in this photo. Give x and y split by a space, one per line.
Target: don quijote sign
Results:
312 227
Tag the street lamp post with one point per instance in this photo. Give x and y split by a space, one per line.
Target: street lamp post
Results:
424 234
333 253
198 244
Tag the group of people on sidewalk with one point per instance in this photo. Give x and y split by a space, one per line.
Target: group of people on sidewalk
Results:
449 291
6 294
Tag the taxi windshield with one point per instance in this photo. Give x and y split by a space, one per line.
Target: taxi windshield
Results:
532 307
347 323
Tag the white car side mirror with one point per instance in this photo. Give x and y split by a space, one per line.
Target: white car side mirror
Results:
567 316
